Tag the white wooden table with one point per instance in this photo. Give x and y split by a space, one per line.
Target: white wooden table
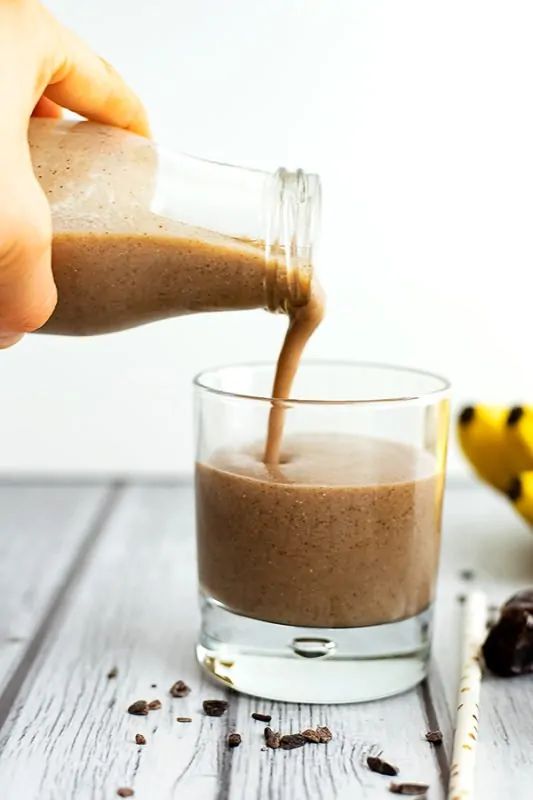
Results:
101 575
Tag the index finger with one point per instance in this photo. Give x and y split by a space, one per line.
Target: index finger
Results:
86 84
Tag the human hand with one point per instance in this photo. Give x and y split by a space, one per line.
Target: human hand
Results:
43 67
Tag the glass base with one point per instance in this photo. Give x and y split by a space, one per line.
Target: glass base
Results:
312 665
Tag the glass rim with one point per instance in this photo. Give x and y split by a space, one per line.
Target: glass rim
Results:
441 392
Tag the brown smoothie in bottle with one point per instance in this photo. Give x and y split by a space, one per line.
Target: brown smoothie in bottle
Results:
121 256
318 531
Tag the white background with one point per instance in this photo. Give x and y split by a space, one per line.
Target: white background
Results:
418 116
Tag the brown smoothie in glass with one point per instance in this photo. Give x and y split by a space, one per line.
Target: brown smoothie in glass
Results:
344 533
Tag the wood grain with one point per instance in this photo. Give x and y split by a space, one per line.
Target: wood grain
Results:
69 734
482 533
41 532
395 727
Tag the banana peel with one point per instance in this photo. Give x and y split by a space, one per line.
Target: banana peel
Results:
520 493
483 437
497 442
519 434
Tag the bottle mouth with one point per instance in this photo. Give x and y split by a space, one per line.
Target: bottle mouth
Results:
293 204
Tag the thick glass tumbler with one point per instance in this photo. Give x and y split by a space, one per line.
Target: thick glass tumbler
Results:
317 574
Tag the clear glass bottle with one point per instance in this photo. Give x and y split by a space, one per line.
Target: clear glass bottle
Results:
142 234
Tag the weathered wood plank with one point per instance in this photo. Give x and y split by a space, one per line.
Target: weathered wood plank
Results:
69 734
482 533
395 726
41 531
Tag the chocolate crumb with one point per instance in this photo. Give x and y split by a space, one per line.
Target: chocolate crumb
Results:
290 741
311 735
139 739
234 739
325 735
261 717
153 686
376 764
125 792
154 705
412 789
215 708
139 708
435 737
272 739
113 672
183 719
179 689
467 574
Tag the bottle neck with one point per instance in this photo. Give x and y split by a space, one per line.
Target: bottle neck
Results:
278 212
293 205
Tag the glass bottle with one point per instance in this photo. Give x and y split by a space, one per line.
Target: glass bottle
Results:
142 234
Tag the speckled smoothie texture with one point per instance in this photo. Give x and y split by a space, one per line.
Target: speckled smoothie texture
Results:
121 256
344 532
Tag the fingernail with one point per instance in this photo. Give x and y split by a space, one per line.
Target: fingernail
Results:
9 339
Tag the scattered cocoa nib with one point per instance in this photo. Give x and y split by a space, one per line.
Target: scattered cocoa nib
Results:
139 708
508 648
234 739
289 741
139 739
467 575
179 689
411 789
325 735
154 705
311 735
261 717
376 764
183 719
125 792
272 739
215 708
113 672
153 686
435 737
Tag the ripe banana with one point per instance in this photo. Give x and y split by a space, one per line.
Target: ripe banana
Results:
483 440
519 434
520 493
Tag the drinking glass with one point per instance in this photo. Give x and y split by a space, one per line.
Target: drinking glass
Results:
317 574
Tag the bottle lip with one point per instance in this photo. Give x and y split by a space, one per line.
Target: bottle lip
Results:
293 206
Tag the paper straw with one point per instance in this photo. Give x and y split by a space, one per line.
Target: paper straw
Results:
467 717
